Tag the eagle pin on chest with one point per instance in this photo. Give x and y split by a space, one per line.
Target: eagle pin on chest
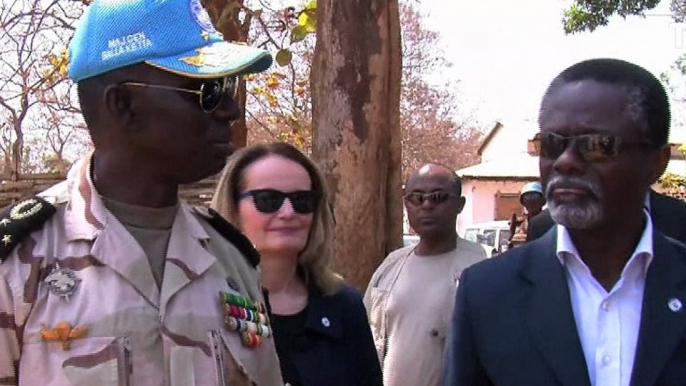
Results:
62 281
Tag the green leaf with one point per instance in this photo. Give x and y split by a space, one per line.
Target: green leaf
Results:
308 17
308 20
298 34
283 57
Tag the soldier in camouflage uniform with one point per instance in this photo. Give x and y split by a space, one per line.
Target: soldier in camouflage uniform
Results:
109 278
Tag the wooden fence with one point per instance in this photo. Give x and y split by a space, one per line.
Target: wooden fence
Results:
198 193
26 186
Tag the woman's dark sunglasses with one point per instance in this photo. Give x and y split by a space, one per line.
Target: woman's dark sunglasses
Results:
418 198
210 93
270 200
591 147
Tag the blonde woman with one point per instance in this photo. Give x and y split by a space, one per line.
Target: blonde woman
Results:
277 196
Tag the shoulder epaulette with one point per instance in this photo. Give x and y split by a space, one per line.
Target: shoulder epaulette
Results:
231 233
18 221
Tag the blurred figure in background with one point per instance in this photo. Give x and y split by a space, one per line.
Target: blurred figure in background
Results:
277 196
532 199
410 296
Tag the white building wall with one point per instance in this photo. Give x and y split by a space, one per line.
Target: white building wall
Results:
480 200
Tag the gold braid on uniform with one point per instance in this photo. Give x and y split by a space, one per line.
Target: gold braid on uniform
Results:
19 220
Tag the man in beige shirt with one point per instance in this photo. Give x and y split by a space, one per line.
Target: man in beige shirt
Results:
410 297
109 278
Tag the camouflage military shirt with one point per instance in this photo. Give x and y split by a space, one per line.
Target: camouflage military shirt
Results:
117 327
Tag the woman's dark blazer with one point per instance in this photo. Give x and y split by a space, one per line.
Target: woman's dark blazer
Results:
336 348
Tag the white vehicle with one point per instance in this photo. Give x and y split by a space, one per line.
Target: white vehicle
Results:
410 240
493 236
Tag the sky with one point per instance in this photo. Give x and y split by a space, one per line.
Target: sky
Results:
505 52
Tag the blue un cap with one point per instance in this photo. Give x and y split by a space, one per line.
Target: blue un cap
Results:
531 187
173 35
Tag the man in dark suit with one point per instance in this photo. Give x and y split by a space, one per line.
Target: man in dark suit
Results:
599 300
668 215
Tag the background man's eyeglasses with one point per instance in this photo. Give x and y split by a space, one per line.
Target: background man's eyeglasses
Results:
418 198
270 200
211 90
591 147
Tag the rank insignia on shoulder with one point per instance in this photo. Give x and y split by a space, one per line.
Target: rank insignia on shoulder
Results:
231 233
19 220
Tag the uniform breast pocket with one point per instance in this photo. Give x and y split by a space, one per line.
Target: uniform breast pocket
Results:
213 365
102 361
228 370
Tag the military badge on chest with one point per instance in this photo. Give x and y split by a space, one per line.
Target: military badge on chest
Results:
62 281
245 317
63 333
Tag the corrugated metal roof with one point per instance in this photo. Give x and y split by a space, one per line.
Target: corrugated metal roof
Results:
520 165
496 127
525 166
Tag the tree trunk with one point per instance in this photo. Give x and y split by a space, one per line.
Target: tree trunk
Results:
355 103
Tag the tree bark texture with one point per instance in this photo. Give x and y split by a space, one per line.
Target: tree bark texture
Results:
355 84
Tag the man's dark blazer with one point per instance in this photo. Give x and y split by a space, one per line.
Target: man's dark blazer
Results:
668 214
514 325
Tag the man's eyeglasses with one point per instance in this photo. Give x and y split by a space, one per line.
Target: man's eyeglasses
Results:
270 200
591 147
211 90
418 198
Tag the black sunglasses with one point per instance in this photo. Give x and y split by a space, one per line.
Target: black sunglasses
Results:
418 198
270 200
211 90
591 147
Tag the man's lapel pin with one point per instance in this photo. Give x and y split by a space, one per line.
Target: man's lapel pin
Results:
674 304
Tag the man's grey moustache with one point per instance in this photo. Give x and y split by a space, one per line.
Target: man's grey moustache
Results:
593 189
570 186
